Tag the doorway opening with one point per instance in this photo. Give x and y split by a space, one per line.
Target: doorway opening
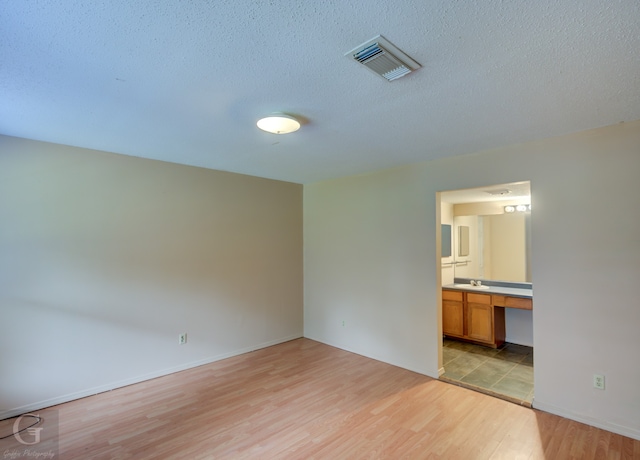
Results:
487 290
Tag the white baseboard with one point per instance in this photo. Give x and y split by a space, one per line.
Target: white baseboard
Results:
609 426
4 414
377 358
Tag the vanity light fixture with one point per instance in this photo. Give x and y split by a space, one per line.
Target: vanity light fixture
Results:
279 123
519 208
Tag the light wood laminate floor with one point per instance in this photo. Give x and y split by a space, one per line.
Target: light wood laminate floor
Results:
302 400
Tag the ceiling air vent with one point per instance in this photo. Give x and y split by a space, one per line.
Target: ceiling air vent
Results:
499 192
383 58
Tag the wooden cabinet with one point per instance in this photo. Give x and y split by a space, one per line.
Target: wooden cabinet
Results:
472 317
480 322
452 313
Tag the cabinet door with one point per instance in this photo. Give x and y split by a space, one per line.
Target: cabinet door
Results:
480 322
452 318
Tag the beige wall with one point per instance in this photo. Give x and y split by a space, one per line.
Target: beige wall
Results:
371 258
508 247
105 259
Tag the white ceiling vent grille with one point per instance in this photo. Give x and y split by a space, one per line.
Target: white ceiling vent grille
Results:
499 192
382 57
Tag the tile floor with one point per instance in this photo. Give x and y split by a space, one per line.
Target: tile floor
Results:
507 371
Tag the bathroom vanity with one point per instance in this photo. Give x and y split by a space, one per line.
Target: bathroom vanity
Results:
477 313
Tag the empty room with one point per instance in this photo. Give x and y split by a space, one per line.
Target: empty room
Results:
320 230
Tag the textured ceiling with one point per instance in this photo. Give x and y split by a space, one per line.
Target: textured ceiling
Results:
185 81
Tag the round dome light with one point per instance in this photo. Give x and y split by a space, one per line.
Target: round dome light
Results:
279 124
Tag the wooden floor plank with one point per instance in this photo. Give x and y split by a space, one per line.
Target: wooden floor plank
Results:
303 399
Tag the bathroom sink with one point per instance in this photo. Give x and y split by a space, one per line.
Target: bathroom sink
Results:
471 286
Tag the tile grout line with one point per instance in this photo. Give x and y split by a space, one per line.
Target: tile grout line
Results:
485 361
506 373
465 352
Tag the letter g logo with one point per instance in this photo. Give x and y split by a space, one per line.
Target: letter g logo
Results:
35 432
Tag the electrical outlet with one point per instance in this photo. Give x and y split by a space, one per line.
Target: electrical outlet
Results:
182 338
598 381
343 323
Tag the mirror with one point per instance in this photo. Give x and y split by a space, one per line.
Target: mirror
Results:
493 247
491 235
446 240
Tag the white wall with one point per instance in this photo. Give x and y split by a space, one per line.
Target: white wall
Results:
371 259
519 325
105 259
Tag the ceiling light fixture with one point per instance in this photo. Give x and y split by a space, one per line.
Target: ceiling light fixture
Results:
279 123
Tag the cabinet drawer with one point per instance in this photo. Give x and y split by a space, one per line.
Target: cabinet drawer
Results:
498 300
451 295
479 298
518 302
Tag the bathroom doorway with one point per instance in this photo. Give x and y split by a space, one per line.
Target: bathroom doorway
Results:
487 290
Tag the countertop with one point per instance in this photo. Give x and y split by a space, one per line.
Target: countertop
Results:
502 290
